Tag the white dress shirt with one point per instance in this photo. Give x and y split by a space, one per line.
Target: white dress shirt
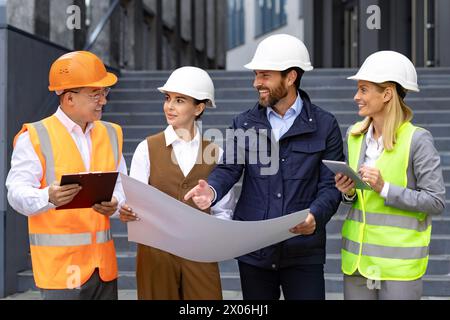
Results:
186 156
23 181
374 150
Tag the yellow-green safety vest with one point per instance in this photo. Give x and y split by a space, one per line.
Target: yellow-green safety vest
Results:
383 242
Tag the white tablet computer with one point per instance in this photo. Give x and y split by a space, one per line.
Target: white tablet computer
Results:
343 168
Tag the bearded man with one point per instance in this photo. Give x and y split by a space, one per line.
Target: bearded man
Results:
299 135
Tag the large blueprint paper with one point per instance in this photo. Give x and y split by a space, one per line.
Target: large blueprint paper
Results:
175 227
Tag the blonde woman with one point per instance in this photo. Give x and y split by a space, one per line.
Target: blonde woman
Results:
169 162
387 231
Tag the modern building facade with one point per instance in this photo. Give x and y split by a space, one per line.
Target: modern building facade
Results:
164 34
249 21
342 33
140 34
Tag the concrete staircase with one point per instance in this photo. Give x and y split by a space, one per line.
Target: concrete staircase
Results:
136 105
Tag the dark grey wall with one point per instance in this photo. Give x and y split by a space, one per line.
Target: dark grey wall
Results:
417 44
402 30
308 16
27 99
3 131
400 26
395 32
442 31
368 39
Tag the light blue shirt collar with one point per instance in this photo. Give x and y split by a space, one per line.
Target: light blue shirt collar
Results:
294 110
280 125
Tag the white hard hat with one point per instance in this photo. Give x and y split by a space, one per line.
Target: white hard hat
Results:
389 66
193 82
280 52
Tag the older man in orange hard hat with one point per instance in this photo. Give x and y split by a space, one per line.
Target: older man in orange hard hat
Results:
72 251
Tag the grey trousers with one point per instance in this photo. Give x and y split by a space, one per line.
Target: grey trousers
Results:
356 287
94 289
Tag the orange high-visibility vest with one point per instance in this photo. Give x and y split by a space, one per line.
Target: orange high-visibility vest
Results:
68 245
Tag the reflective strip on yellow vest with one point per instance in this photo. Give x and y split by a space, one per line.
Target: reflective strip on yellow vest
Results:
385 252
77 239
381 219
382 242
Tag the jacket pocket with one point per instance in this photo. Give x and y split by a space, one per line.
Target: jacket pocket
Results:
304 160
308 146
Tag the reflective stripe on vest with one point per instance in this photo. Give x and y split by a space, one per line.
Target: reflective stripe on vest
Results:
385 252
67 240
390 220
113 139
47 150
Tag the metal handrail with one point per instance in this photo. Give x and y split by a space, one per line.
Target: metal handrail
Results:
94 35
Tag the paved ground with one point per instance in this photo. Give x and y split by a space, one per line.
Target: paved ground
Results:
123 295
131 295
227 295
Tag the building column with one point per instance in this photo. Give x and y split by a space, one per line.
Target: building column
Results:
199 43
59 33
221 34
186 32
326 37
139 25
441 33
318 31
221 29
128 36
20 14
308 27
159 35
116 37
400 26
133 36
193 51
369 40
42 18
177 27
206 26
417 33
80 35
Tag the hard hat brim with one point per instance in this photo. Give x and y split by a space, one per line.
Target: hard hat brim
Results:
108 81
211 103
409 87
278 67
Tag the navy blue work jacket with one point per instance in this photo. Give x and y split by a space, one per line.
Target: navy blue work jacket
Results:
302 180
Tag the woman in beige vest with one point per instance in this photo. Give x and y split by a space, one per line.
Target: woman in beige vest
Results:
174 161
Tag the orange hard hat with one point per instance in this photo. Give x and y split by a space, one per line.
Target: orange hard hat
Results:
79 69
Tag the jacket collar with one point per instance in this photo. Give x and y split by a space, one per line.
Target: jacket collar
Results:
304 123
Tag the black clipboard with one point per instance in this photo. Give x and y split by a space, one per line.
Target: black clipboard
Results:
345 169
97 187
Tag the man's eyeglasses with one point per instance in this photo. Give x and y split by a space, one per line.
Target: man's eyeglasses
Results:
95 96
